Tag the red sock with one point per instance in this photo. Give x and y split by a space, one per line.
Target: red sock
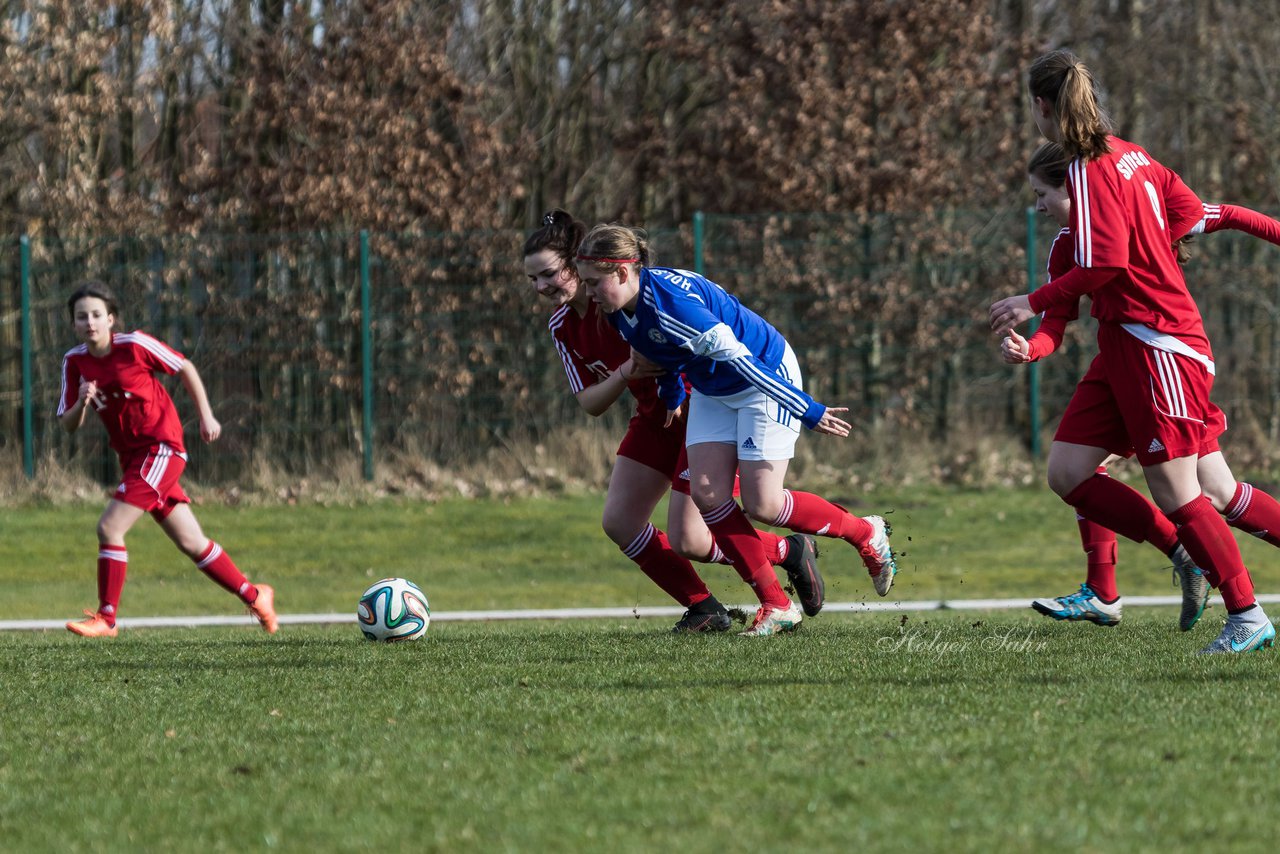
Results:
807 513
1100 553
775 549
1255 512
217 564
113 563
1237 593
1124 510
652 552
1206 537
741 542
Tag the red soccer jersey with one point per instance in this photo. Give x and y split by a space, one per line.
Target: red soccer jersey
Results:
591 350
1062 258
1126 210
131 402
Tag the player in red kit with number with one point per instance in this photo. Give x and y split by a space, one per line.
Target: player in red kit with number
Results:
651 461
1150 383
113 373
1246 508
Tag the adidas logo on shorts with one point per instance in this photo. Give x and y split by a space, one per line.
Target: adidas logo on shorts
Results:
747 443
1155 446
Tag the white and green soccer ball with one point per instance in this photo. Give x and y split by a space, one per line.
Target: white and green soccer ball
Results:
393 609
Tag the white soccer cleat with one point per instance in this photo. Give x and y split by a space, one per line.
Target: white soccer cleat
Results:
770 621
877 555
1243 633
1083 605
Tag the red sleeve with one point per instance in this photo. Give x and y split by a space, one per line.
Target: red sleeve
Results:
1070 286
1241 219
154 353
70 385
1049 336
1182 207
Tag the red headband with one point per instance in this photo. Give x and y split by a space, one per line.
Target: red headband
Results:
607 260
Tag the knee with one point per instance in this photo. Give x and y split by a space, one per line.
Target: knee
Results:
110 534
706 497
1219 496
763 508
689 545
1064 479
621 530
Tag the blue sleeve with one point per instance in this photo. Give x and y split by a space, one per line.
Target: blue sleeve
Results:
671 390
694 327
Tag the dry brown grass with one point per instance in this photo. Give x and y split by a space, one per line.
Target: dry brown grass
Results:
580 459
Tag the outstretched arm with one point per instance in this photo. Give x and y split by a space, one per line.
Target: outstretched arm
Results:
210 429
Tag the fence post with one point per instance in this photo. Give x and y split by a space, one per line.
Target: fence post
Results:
1033 379
699 234
366 357
28 432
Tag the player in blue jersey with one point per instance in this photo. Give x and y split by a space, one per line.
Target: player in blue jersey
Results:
744 414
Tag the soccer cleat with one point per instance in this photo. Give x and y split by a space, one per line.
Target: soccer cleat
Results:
801 564
877 555
770 620
1195 587
96 626
264 608
1243 633
706 616
1084 604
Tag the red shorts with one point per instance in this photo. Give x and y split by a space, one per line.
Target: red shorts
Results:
661 448
1137 400
151 480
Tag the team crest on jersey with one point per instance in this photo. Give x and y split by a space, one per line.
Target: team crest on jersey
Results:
657 337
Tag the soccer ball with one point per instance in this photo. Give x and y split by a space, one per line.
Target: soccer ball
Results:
394 609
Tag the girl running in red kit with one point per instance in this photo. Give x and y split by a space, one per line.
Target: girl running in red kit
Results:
1244 506
1148 389
114 374
651 461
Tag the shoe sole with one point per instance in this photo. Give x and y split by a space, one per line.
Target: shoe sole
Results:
1068 618
779 631
79 633
813 582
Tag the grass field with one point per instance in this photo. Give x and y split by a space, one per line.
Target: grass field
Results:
956 731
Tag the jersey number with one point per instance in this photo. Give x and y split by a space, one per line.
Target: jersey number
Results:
1155 201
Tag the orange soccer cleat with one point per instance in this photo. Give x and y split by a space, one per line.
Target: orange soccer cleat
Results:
96 626
264 608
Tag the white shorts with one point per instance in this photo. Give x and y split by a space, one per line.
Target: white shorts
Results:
757 424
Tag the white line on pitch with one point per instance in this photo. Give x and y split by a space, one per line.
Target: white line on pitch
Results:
591 613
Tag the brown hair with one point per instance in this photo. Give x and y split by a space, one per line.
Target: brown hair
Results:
1064 81
1049 164
93 288
610 246
560 233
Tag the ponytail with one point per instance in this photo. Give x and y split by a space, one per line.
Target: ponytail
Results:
560 233
1061 79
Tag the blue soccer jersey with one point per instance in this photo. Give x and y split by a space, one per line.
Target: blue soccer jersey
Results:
692 326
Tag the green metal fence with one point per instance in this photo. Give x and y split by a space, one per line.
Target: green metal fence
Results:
324 347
